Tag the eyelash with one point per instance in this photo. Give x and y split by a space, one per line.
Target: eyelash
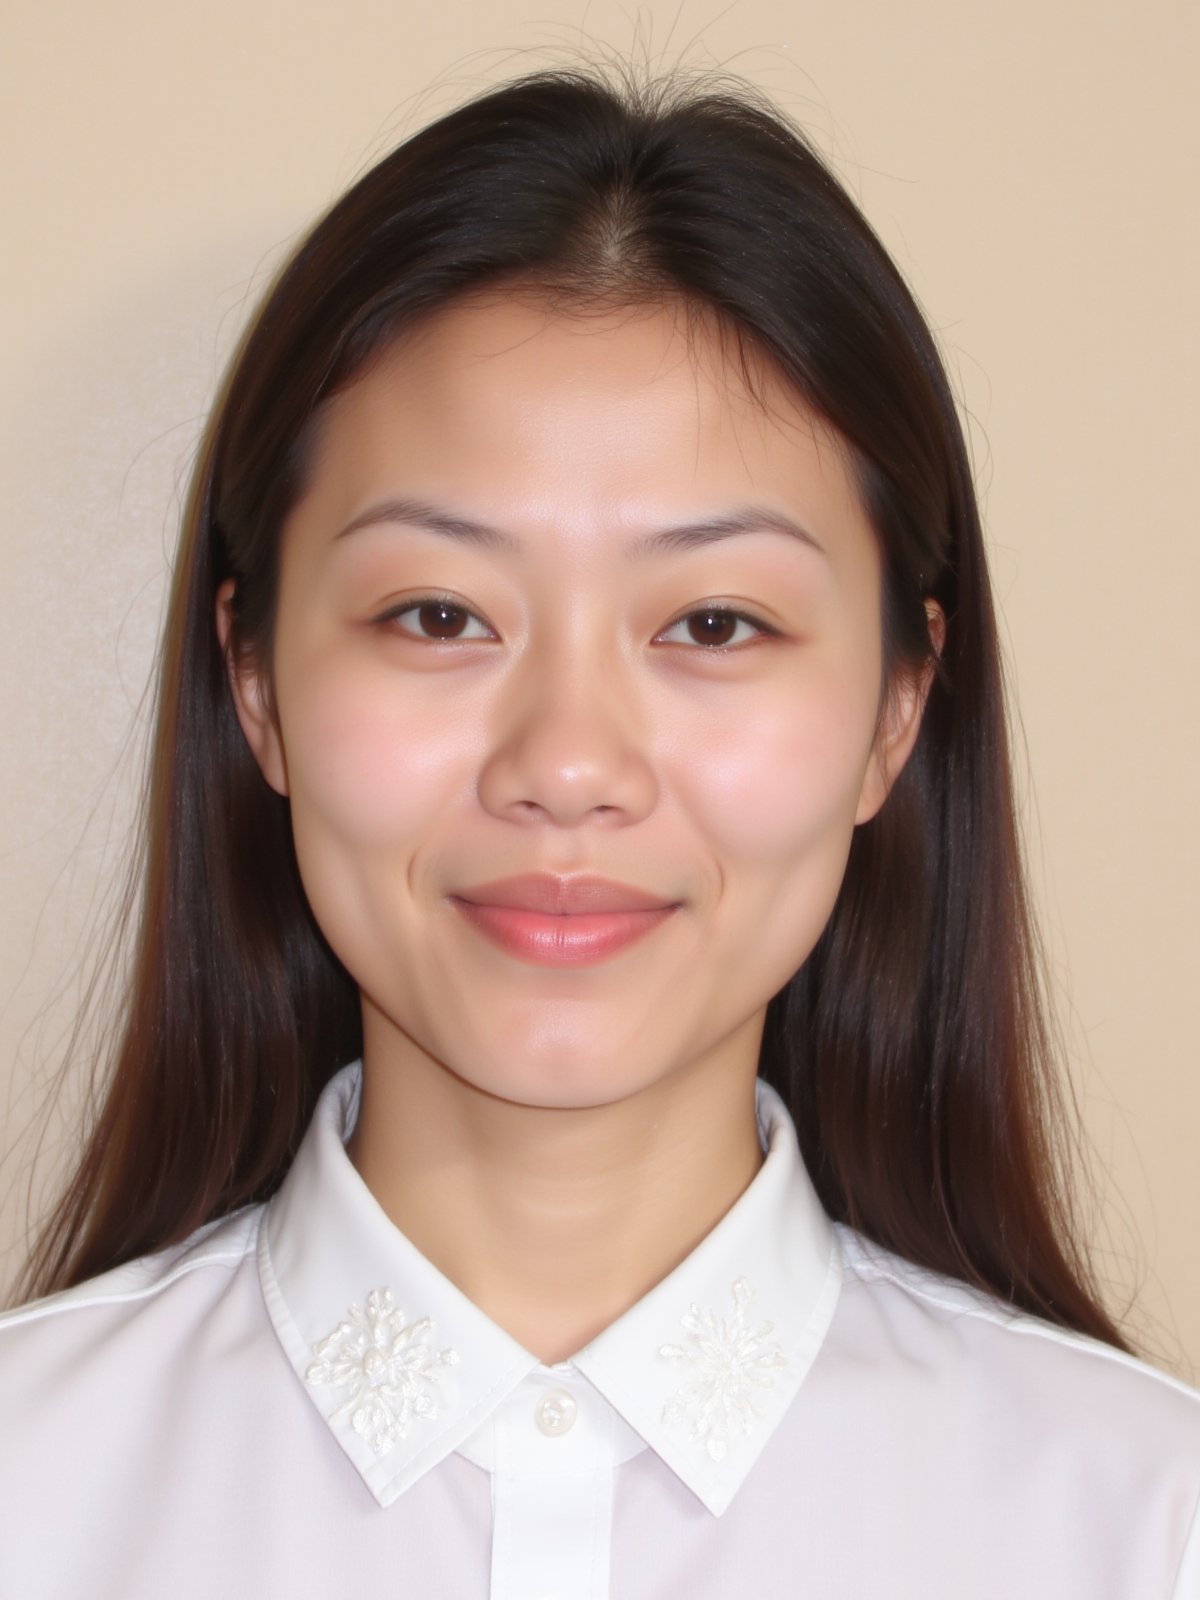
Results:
757 623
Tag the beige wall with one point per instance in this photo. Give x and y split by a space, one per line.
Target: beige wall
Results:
1033 168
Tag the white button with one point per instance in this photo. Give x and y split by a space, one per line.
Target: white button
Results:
555 1412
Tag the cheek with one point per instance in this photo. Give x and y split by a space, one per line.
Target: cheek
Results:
780 787
367 766
776 806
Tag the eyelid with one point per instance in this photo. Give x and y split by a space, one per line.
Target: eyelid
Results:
415 604
719 608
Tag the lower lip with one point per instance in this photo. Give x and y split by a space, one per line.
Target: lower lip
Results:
561 941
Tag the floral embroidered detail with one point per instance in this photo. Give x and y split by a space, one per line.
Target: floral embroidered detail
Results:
389 1366
725 1364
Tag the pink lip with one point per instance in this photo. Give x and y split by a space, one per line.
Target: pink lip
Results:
561 922
544 891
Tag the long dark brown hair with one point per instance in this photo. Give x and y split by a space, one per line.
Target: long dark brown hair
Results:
911 1046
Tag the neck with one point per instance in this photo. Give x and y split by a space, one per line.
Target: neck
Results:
554 1221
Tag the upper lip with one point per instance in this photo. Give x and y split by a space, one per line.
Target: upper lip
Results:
544 891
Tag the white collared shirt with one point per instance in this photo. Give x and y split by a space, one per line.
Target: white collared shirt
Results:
296 1402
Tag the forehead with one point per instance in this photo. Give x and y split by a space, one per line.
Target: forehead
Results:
509 409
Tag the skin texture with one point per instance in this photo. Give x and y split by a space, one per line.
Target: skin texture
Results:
557 1139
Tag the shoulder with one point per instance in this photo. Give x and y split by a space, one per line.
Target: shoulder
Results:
123 1314
1027 1365
1071 1467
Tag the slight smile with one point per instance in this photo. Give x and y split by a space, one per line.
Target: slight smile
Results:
555 921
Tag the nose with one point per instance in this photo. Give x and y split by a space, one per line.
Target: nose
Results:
569 745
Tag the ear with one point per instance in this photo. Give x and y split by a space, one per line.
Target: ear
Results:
900 723
250 699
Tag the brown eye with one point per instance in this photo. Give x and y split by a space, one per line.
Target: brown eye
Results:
440 620
712 627
436 619
715 627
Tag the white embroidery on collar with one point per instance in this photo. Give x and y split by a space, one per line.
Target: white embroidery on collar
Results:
725 1363
389 1365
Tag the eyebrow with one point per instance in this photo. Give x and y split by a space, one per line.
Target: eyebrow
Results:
682 536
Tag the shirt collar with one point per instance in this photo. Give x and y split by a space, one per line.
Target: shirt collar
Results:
404 1368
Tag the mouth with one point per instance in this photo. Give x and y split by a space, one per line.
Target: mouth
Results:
561 939
552 920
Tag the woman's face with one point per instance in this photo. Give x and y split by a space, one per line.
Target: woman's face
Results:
581 700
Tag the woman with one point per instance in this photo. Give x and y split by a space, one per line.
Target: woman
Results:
583 1123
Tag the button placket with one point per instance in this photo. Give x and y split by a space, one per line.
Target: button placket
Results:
552 1490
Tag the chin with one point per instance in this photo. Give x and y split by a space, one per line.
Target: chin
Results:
558 1087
